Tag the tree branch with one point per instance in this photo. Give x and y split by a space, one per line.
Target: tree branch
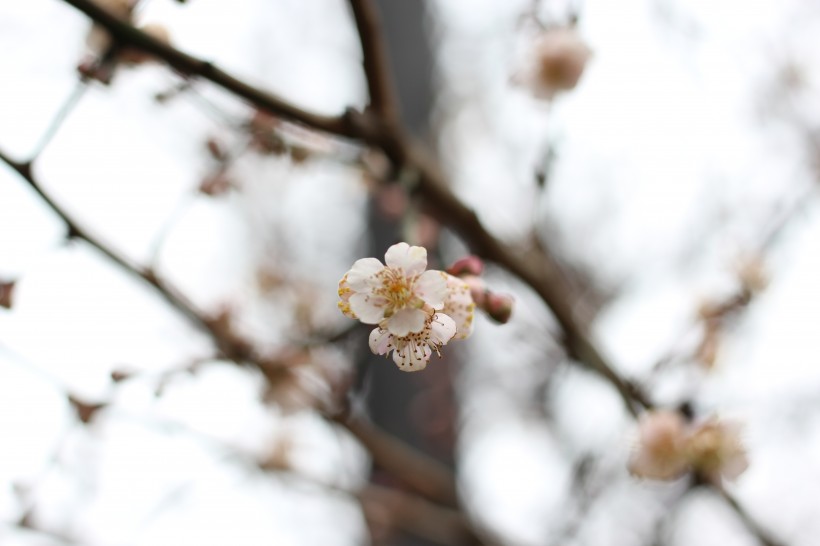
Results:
377 70
418 517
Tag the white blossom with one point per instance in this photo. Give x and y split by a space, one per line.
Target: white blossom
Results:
416 311
459 306
412 352
399 296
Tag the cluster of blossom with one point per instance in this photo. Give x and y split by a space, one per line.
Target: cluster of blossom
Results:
670 446
416 311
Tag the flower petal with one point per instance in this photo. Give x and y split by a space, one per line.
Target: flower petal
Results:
412 357
407 321
369 309
459 306
432 288
410 259
360 275
442 329
381 341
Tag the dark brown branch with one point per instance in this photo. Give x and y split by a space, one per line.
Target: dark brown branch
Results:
377 70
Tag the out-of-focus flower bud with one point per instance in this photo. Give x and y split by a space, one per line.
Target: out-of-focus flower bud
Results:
216 184
715 450
6 294
661 450
559 58
85 411
499 307
469 265
264 137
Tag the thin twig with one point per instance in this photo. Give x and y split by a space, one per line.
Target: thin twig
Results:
761 534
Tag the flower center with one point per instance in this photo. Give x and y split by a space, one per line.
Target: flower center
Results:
396 289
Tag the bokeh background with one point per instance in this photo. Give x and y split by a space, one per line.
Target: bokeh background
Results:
684 164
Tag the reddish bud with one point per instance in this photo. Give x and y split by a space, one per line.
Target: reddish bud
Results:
499 307
6 294
478 290
469 265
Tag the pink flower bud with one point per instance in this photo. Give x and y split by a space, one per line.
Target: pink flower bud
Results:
469 265
478 290
499 307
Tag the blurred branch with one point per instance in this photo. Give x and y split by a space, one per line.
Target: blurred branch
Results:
383 97
761 534
26 525
420 518
418 471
